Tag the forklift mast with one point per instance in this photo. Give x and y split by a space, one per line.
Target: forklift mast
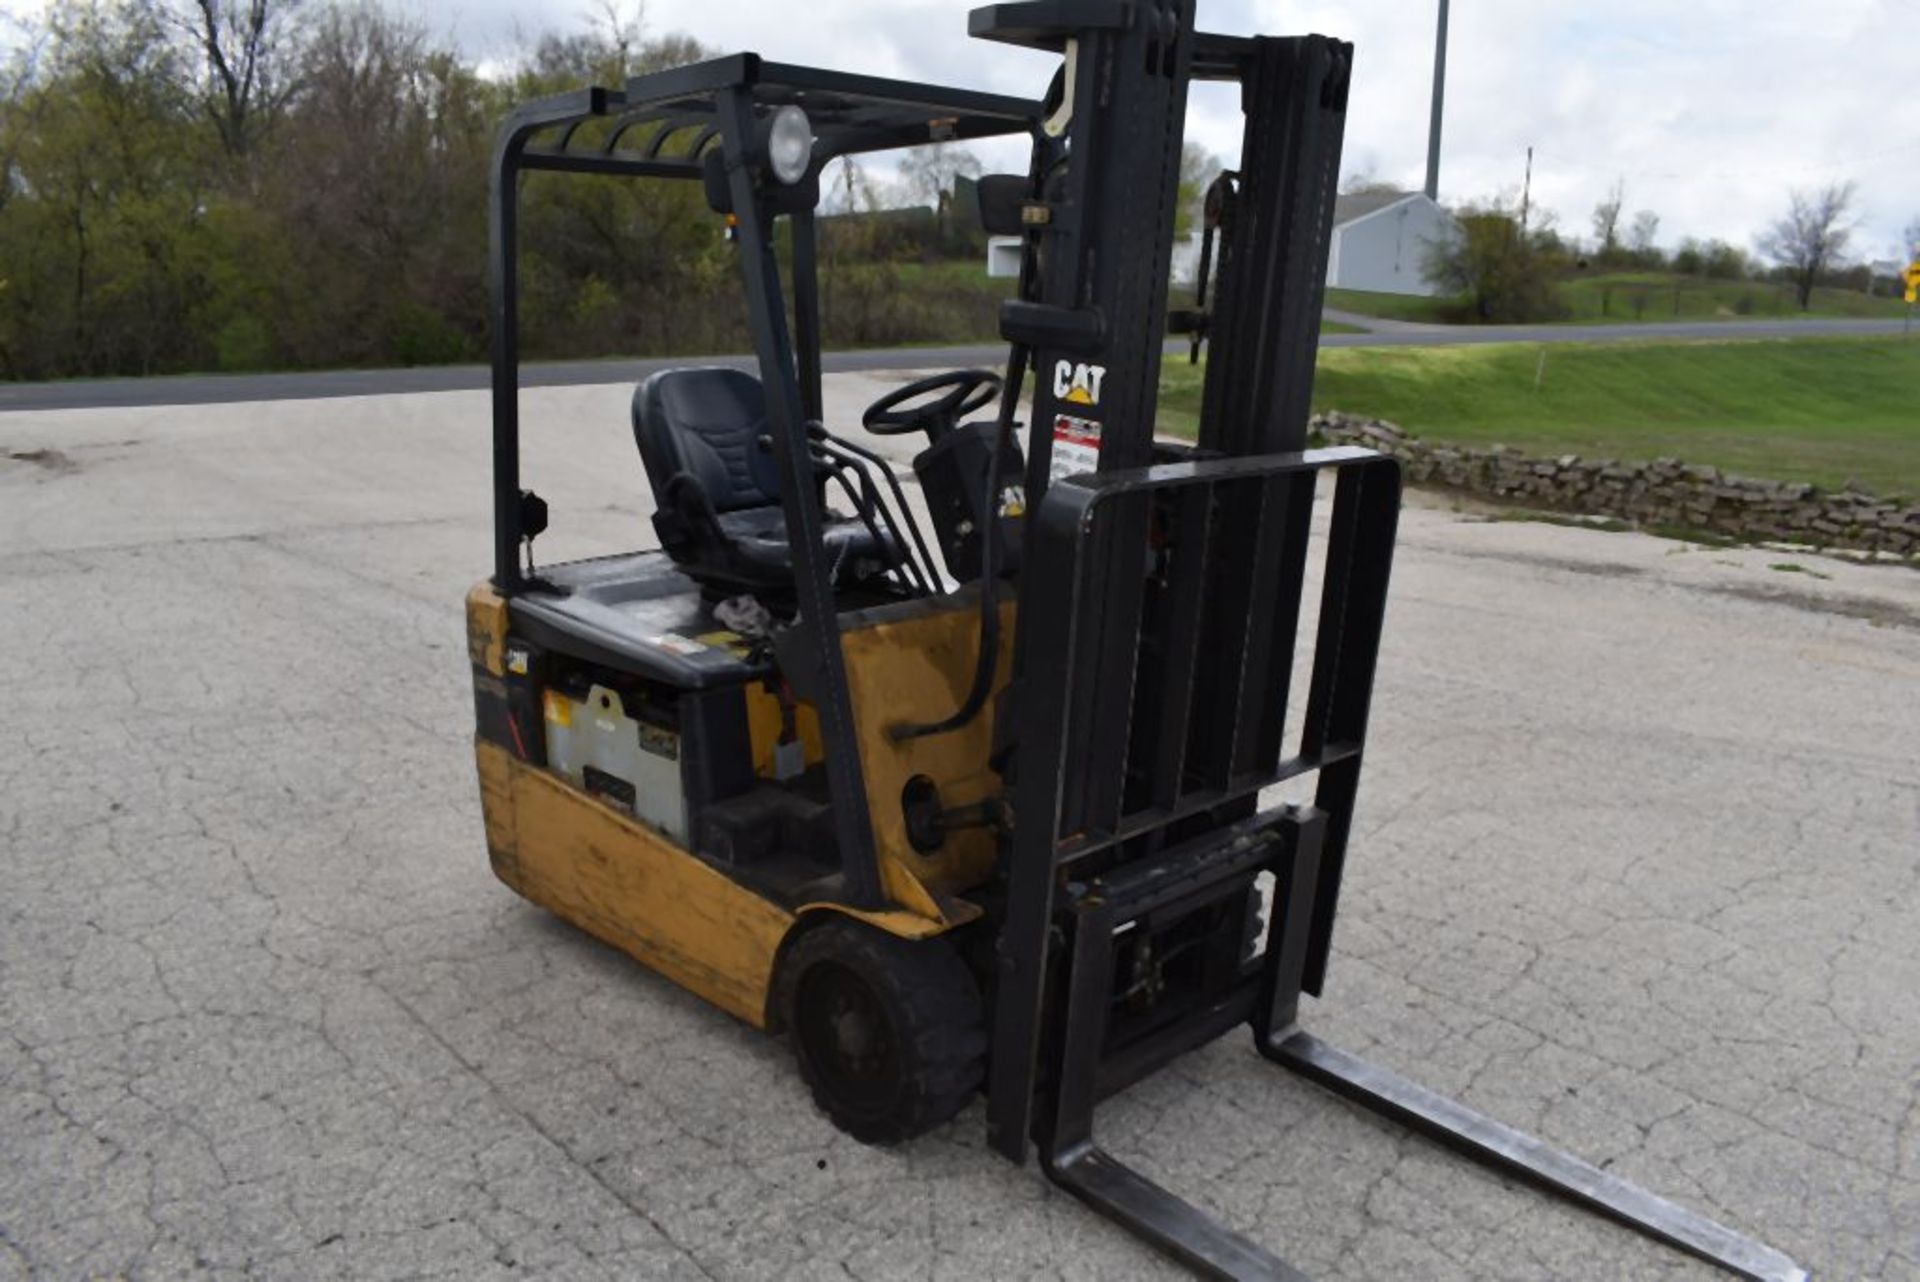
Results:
1108 229
1155 899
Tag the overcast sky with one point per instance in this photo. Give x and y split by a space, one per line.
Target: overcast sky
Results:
1709 110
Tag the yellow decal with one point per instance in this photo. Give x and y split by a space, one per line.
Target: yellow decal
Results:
487 629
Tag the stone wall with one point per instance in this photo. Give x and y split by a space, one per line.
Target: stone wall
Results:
1665 492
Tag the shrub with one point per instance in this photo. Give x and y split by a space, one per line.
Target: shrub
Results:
1506 274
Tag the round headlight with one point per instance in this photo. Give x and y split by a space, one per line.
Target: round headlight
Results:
789 144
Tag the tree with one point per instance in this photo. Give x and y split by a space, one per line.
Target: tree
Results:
244 44
374 239
613 47
931 169
1811 237
101 234
18 73
1640 238
1912 238
1365 182
1646 229
1504 272
1714 259
1606 221
1198 168
250 184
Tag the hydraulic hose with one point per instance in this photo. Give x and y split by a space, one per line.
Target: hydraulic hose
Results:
988 658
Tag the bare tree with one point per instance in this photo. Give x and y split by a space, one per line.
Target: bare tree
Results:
18 74
242 42
1646 229
930 170
1366 181
1912 239
621 28
1812 236
1606 219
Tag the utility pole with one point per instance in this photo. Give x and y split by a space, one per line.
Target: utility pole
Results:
1439 97
1526 192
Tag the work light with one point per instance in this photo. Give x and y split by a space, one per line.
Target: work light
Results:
789 144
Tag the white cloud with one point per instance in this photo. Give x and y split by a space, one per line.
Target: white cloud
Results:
1710 111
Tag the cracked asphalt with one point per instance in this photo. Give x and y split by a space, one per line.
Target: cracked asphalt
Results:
1637 867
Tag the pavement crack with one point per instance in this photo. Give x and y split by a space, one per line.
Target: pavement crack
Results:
534 1124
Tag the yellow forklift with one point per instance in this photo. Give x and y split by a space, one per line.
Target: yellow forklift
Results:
985 806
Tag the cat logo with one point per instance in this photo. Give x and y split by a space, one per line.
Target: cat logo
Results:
1078 384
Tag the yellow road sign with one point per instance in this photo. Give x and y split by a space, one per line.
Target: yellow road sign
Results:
1913 275
1913 293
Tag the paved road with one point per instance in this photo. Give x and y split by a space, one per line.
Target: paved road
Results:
224 389
220 389
1635 867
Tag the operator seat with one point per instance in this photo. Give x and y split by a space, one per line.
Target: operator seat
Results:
704 439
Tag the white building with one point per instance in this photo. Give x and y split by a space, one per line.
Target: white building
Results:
1379 244
1380 241
1003 255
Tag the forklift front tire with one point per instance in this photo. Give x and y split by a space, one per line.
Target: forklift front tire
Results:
889 1033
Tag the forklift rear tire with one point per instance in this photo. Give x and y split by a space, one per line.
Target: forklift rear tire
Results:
889 1032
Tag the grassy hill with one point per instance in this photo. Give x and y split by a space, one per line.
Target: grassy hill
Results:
1406 307
1624 297
1819 410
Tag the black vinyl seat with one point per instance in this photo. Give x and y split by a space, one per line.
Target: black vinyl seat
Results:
703 436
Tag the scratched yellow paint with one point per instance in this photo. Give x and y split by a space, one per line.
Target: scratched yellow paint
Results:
917 668
487 629
625 884
629 886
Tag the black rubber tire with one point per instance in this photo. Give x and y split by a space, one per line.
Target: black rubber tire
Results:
889 1033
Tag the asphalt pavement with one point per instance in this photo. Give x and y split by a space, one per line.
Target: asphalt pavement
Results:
222 389
1635 867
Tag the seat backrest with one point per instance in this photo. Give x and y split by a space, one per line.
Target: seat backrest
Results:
706 422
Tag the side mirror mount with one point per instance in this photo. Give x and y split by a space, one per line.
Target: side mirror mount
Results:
1002 197
713 180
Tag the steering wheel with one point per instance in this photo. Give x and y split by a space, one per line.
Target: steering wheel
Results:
966 390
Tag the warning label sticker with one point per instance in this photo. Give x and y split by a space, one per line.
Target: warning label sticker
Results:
1076 447
674 643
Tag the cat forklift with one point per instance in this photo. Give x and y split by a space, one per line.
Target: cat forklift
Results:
986 803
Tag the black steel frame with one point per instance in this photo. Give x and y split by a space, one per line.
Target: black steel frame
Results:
1081 875
679 119
1076 811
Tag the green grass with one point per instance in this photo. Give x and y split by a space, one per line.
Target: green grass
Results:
1819 410
1338 327
954 273
1627 297
1407 307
